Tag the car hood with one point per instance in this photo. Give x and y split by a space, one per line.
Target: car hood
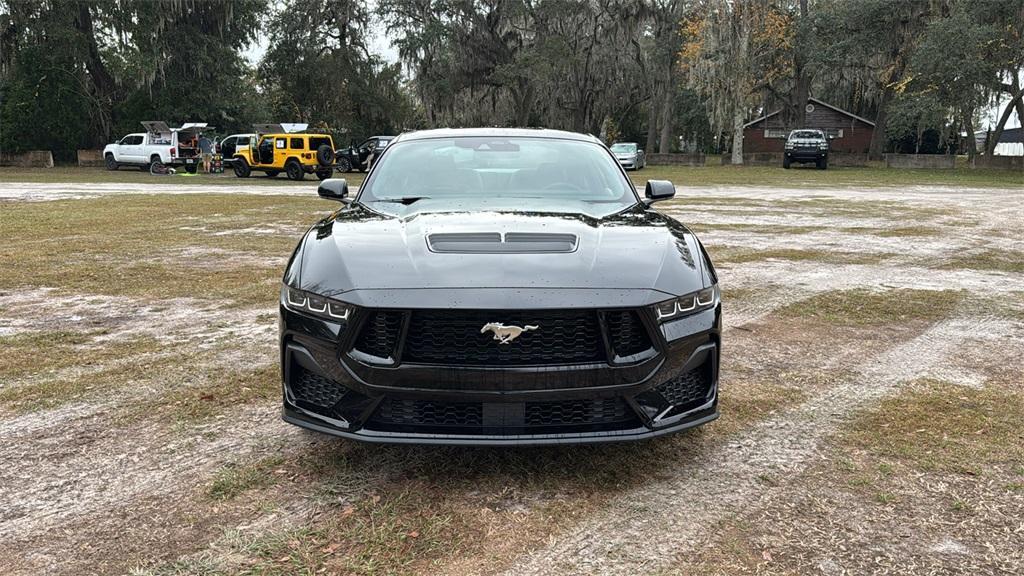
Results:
625 154
359 250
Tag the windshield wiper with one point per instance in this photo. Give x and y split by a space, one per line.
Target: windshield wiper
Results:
403 200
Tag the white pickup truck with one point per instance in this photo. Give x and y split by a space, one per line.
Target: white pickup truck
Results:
159 143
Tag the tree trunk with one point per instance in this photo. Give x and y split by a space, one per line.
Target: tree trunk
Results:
802 89
972 148
103 83
1014 103
737 136
667 107
652 123
881 118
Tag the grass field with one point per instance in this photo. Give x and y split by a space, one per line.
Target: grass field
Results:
713 174
871 420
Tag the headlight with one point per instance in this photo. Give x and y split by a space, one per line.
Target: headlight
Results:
823 145
686 305
309 303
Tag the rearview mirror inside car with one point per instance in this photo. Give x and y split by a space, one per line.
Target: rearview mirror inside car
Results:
334 189
658 190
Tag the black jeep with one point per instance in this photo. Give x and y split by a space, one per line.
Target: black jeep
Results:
361 157
806 145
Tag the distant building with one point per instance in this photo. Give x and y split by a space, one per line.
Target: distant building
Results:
849 132
1011 141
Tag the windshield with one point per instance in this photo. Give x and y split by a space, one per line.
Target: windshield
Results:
499 171
805 134
623 147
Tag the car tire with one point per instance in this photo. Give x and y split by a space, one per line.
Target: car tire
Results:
294 170
241 167
110 162
272 173
785 162
820 164
344 165
324 155
154 159
325 173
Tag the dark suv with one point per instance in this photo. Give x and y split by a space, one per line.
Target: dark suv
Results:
806 145
361 157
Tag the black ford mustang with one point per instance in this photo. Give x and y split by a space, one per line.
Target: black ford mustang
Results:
494 286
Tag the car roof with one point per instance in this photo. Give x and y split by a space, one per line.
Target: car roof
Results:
496 132
295 135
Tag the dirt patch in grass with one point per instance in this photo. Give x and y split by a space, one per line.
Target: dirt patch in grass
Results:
128 176
213 246
998 260
893 493
871 307
823 256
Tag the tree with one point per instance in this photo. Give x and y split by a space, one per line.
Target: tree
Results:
735 50
76 72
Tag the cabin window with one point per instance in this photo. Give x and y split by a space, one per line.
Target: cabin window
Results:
279 143
297 144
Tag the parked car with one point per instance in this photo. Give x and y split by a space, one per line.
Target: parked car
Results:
499 287
629 155
274 150
805 146
159 143
361 157
230 144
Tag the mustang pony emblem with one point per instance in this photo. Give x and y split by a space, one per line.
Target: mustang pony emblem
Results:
506 334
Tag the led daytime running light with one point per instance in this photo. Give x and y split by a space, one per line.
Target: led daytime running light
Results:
317 305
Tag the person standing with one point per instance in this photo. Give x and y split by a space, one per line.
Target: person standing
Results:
206 151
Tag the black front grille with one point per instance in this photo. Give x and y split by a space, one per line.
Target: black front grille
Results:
688 389
429 413
438 416
314 389
627 333
574 412
379 334
454 337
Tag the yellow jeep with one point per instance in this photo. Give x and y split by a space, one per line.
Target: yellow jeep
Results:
283 147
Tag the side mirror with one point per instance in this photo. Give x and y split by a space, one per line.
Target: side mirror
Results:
334 189
658 190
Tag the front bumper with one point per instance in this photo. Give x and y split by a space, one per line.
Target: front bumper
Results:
628 163
806 155
589 406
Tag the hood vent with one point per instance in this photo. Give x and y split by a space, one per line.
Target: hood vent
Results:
494 243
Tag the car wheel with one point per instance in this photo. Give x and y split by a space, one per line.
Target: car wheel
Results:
785 162
154 159
325 173
110 162
344 165
272 173
241 167
824 164
294 170
324 155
